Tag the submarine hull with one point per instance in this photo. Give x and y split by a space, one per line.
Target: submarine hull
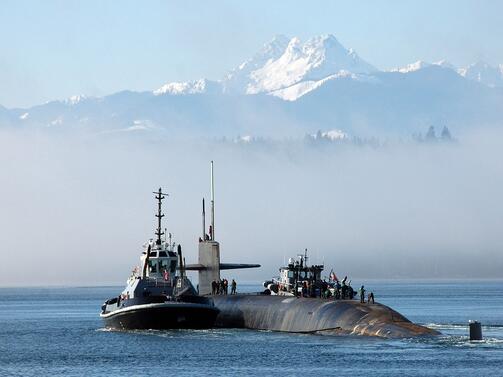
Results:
162 317
314 315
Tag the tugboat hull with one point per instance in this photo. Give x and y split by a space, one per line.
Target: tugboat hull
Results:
162 316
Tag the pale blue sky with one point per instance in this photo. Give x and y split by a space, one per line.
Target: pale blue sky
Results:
54 49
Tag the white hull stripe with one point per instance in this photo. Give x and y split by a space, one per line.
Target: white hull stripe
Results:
155 306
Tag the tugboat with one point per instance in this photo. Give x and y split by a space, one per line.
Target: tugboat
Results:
300 279
158 295
297 278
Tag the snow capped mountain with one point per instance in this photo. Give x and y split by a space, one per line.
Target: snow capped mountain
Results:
316 59
294 92
289 86
413 67
73 100
239 77
483 73
288 68
190 87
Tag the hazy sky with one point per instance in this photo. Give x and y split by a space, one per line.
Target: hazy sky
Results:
54 49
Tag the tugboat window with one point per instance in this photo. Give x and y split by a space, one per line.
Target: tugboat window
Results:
153 266
163 265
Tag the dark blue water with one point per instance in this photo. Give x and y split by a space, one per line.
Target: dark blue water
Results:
57 332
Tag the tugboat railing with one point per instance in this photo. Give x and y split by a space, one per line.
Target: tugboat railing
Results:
158 283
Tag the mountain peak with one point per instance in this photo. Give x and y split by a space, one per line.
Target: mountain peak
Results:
75 99
282 63
325 40
189 87
483 73
421 64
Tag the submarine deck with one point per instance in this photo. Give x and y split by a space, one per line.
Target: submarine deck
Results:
314 315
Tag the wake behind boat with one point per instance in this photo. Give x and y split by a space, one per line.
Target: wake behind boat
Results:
159 295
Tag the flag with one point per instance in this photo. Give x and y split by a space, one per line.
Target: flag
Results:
166 275
333 277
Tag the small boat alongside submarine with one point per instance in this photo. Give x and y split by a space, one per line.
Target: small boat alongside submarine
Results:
159 295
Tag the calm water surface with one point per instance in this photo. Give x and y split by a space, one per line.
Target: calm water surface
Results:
57 332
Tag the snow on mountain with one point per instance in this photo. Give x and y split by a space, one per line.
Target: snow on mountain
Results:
315 59
285 68
294 92
445 64
483 73
290 86
282 63
237 80
73 100
413 67
190 87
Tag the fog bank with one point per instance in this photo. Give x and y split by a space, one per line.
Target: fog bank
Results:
77 210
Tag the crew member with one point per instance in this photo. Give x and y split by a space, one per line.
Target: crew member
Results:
371 297
362 294
233 287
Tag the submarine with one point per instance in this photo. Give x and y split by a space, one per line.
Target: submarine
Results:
287 312
159 295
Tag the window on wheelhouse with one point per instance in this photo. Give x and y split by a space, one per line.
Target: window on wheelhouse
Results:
163 265
152 265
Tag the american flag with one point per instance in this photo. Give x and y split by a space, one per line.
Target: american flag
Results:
333 277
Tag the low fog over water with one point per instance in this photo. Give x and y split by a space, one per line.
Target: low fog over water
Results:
76 210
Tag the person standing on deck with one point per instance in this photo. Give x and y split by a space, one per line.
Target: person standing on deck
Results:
362 294
371 298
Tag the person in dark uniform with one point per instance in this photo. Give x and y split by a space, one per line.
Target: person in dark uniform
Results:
214 287
371 297
362 294
233 287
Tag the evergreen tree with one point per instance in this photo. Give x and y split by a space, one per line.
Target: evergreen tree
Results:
430 135
446 134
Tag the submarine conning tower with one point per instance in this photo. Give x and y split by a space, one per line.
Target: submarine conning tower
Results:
209 265
209 249
209 257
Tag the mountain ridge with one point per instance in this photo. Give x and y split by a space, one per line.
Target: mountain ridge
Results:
290 86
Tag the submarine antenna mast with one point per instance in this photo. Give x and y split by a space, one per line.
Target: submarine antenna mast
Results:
159 196
212 204
204 222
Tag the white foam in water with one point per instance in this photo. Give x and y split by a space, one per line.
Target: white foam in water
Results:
437 326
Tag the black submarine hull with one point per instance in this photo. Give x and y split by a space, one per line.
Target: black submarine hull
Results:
162 317
314 315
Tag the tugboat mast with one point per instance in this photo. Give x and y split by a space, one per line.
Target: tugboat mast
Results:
159 196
